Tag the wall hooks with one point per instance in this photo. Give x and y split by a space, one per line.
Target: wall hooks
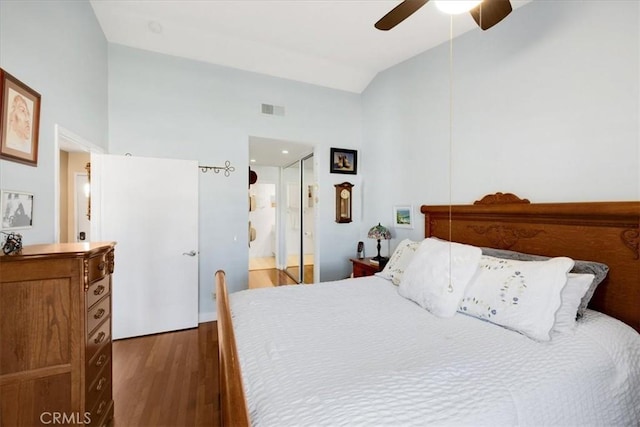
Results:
227 168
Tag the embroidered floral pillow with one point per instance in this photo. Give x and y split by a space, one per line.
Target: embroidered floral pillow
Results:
399 261
519 295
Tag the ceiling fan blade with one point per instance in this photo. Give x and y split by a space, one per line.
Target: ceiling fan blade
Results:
399 14
490 12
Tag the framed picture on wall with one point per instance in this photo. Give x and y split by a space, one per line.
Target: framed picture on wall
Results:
17 209
403 216
344 161
19 120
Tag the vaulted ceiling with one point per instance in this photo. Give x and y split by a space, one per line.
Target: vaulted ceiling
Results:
330 43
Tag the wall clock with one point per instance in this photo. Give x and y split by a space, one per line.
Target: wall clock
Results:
343 202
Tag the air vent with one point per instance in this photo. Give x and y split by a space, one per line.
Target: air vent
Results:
272 110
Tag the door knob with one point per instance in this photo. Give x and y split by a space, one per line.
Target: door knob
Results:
190 253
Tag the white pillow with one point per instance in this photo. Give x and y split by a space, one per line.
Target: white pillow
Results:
520 295
438 274
399 261
571 296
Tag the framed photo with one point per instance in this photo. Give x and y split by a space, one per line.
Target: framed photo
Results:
17 209
403 216
19 120
344 161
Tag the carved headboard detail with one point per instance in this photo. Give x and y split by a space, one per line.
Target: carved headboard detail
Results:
500 199
607 232
631 238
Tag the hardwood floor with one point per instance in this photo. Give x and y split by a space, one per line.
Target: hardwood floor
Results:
168 379
268 278
263 272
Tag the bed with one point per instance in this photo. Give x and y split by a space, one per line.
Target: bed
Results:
355 352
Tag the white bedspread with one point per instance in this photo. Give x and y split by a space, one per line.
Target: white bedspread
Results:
354 352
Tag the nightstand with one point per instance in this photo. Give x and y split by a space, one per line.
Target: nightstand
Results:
362 267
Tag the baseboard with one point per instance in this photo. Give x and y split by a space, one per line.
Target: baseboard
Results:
210 316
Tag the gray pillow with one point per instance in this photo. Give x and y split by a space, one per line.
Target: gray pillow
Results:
599 270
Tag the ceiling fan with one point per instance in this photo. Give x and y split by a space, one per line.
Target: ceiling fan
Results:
486 14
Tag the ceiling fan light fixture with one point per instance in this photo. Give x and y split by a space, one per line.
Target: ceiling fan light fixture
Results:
456 7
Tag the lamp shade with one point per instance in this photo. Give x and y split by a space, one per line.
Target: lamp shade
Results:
379 232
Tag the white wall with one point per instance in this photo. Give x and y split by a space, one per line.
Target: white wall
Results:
545 105
163 106
58 49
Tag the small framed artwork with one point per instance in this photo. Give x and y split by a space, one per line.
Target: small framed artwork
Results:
403 216
344 161
19 120
17 209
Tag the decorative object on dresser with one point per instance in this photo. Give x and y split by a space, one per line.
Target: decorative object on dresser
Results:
343 202
379 232
12 244
19 120
363 267
55 334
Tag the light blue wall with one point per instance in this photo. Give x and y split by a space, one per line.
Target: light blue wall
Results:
545 105
58 49
163 106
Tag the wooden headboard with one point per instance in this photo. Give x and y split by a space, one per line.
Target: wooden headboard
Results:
606 232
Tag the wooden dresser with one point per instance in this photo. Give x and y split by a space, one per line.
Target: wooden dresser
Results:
55 335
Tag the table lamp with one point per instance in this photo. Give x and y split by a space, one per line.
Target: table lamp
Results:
379 232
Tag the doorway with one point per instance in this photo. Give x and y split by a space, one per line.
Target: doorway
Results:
72 199
281 218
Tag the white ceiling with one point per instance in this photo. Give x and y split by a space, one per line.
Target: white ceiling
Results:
269 152
330 43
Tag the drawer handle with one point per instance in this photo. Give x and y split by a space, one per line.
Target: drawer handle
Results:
99 290
101 360
101 407
101 266
99 313
101 383
101 336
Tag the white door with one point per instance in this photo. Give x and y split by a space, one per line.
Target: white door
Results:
150 208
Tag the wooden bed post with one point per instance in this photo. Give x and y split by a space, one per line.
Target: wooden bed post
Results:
233 405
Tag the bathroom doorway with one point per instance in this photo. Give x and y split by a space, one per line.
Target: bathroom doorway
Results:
281 213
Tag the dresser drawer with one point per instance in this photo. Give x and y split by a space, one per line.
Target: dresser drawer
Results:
100 416
98 267
98 313
99 360
98 386
101 403
97 290
98 339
